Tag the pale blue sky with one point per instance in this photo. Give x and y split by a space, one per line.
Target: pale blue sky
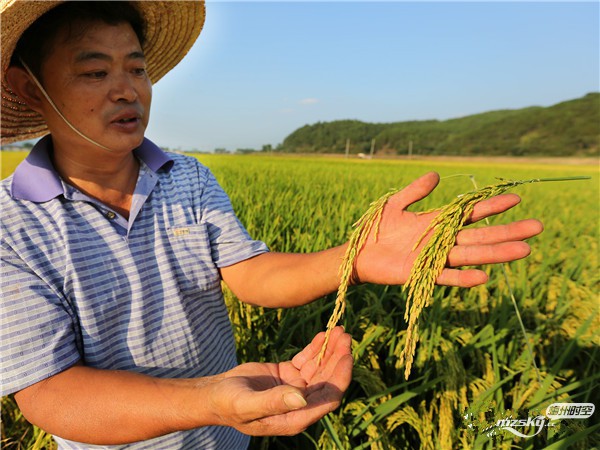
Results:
260 70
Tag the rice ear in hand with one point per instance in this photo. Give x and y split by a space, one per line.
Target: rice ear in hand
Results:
432 258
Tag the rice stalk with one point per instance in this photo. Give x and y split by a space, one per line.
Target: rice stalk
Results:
514 302
362 227
433 256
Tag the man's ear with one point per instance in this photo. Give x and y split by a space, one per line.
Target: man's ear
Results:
21 84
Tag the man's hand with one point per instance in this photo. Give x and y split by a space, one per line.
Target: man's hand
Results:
284 399
390 259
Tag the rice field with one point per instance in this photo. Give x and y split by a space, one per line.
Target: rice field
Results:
472 366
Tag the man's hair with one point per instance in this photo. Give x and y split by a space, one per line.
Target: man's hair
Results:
38 40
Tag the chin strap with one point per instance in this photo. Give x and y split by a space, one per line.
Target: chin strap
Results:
41 88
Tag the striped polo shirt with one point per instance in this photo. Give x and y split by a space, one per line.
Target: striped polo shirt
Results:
80 282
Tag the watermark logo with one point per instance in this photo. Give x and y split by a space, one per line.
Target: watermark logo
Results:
515 426
570 410
532 425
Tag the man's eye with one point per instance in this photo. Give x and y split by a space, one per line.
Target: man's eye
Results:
140 71
95 75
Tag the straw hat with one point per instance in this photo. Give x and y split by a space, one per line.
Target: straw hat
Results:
171 29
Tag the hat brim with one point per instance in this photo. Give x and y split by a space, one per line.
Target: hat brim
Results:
172 27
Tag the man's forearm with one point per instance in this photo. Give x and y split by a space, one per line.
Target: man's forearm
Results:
283 280
115 407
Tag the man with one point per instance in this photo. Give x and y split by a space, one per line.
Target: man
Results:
114 327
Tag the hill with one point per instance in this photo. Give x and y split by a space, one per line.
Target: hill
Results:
570 128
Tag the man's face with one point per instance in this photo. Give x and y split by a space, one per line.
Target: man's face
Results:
98 81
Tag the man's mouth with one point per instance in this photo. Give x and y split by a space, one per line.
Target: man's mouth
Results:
127 121
126 117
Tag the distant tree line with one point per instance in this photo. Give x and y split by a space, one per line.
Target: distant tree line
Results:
570 128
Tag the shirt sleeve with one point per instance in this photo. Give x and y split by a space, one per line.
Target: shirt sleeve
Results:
37 338
230 242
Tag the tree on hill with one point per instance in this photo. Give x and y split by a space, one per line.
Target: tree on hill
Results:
570 128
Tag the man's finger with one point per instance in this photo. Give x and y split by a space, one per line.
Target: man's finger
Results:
473 255
337 350
415 191
493 206
515 231
311 351
462 278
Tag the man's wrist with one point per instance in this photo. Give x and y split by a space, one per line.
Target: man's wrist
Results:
197 405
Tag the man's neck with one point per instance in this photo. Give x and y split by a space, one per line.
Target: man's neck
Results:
110 179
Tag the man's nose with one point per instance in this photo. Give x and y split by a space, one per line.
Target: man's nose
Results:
123 89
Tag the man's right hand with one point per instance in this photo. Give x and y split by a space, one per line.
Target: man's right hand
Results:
284 398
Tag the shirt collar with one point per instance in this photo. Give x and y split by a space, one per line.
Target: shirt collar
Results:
153 156
36 180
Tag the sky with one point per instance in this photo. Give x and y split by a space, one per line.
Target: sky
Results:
260 70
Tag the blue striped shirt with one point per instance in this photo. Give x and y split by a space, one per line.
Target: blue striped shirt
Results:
80 282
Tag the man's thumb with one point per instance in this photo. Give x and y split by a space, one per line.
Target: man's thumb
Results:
278 400
417 190
294 400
